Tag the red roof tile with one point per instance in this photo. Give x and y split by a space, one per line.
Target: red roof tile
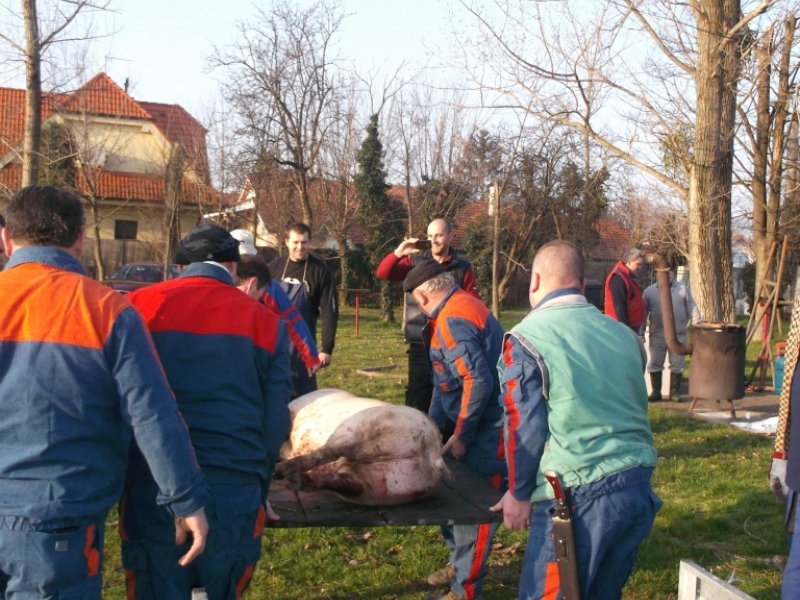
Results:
111 185
179 126
614 240
101 96
148 188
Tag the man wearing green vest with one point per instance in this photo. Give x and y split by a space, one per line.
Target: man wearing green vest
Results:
575 402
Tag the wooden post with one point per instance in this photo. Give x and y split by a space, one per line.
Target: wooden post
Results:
357 302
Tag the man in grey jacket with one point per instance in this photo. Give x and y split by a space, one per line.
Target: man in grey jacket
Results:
684 309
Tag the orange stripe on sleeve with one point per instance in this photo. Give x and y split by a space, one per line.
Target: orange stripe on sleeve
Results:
513 421
466 393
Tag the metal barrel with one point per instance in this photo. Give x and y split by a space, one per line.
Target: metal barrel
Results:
718 359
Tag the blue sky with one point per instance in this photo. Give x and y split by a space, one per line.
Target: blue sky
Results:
160 45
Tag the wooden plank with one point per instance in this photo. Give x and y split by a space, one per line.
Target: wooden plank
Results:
463 500
695 583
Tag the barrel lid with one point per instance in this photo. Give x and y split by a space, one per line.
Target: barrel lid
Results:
717 326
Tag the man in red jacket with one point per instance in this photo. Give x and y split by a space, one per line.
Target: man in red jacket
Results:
395 267
624 302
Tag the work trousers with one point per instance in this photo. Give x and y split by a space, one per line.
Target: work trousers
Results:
236 518
53 559
790 588
419 390
470 545
610 519
658 352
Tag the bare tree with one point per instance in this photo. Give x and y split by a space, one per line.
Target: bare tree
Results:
280 76
41 31
589 69
765 111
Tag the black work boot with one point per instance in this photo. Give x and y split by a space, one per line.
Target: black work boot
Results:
675 380
655 387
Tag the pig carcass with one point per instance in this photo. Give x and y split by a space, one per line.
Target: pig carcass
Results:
367 451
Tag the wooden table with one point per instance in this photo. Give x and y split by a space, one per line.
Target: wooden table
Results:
465 500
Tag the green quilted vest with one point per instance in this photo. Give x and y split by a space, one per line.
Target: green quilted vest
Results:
597 400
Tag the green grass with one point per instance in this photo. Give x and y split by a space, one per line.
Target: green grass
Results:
717 512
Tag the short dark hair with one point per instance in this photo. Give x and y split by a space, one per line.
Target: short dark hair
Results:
2 221
44 215
253 266
299 228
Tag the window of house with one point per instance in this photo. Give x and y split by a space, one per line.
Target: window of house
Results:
125 230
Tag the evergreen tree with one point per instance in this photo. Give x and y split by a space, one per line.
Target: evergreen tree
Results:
379 215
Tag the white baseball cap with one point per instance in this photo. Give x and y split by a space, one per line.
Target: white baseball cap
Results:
246 245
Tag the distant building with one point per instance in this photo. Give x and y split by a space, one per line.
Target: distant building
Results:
121 151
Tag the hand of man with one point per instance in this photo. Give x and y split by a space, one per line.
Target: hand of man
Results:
777 478
324 360
196 525
314 369
516 513
405 248
455 446
271 514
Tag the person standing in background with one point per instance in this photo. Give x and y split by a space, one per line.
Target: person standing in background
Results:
623 296
685 310
309 283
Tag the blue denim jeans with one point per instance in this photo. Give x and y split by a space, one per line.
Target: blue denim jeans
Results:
54 559
470 545
790 588
610 519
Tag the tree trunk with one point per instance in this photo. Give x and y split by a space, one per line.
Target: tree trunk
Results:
344 266
98 250
408 202
301 183
779 125
33 95
387 302
730 62
761 241
710 171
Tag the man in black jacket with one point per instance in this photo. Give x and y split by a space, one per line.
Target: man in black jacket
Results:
310 286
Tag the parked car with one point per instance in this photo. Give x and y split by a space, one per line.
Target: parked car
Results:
133 276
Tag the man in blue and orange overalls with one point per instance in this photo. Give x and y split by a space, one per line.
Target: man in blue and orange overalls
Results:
464 341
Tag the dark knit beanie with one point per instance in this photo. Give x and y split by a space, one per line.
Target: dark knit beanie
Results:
424 271
208 241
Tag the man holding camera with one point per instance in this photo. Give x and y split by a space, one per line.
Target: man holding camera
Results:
395 267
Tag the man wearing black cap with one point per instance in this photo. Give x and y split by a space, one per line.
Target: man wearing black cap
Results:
227 360
464 349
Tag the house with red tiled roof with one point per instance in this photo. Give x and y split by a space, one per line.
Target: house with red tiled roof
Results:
121 150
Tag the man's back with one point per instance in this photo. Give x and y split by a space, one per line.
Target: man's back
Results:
59 408
597 402
226 359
